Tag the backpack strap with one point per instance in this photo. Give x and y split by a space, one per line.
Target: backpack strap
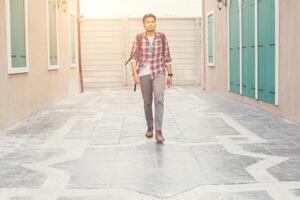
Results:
139 42
163 41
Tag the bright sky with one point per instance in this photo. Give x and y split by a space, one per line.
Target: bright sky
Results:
137 8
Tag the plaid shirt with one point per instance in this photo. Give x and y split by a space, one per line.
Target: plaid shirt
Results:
154 56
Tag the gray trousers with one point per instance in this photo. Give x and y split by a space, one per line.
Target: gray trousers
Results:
153 87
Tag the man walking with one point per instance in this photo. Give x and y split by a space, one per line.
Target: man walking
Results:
150 59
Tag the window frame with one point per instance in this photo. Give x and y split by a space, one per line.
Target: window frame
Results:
13 70
211 64
52 67
73 65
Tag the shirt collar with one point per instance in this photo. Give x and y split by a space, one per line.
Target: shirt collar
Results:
156 34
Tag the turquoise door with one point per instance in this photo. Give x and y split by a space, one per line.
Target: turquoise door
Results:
266 50
234 46
248 47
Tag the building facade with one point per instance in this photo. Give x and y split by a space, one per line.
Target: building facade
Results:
252 52
38 57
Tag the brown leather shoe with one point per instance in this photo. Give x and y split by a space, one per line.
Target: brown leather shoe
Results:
149 133
159 137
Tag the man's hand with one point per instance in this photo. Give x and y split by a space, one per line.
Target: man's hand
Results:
169 81
136 79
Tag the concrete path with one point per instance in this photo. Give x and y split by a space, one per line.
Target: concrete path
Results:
92 147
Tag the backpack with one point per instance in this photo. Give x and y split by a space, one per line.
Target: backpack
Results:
139 45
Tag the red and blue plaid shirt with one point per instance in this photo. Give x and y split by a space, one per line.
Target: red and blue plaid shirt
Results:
154 56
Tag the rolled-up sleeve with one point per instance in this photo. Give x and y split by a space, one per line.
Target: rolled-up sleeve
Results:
167 54
134 51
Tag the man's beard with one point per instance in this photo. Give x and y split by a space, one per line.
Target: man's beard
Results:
151 30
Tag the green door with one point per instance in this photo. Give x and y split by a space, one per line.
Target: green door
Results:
234 46
248 47
266 50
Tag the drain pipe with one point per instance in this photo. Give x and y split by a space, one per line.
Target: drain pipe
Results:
203 85
79 45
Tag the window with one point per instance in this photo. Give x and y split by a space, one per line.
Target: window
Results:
73 38
210 35
52 35
17 42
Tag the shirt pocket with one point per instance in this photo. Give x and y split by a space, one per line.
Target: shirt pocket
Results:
145 48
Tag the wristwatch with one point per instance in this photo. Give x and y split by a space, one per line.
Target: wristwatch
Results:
170 74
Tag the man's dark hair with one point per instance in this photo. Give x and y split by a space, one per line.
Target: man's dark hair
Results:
148 16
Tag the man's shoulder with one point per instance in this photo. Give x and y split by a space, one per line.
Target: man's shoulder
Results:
140 34
161 33
143 34
162 36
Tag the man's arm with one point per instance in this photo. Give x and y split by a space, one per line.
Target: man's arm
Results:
167 54
134 60
168 61
134 50
168 58
133 67
169 68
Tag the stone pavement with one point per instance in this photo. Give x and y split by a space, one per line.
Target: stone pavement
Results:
92 147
